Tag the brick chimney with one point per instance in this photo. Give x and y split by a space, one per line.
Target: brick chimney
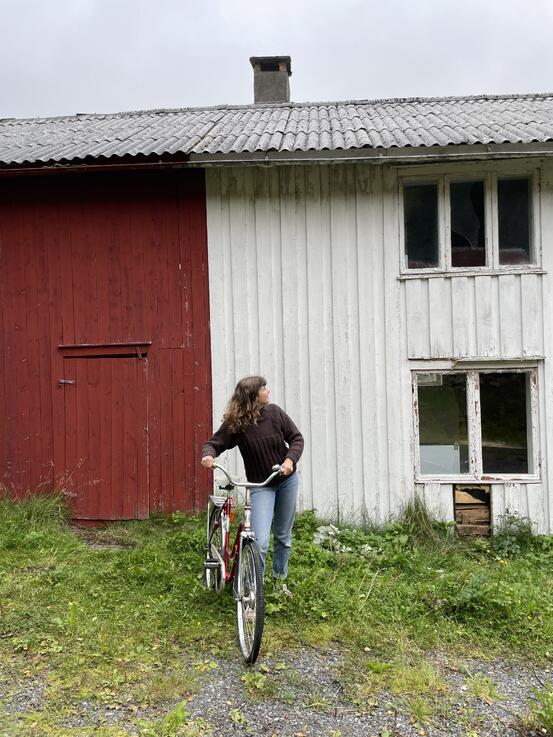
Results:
271 78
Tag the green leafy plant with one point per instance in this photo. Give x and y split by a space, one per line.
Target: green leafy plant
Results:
513 536
169 725
254 680
542 708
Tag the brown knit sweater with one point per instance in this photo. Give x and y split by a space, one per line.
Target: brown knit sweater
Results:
273 439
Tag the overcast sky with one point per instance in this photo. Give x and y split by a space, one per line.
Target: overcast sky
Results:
59 57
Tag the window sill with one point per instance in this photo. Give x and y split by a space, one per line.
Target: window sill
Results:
426 274
485 479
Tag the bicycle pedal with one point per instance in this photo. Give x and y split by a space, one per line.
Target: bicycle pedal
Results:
211 563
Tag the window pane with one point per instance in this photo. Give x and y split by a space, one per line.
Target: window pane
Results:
420 205
503 402
513 206
443 424
468 243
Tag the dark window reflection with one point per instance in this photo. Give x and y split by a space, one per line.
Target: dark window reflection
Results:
443 425
468 241
513 205
503 402
420 205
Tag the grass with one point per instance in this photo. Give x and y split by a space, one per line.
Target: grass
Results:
126 626
482 687
416 684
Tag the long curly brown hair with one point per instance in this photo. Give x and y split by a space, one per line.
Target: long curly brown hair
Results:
243 408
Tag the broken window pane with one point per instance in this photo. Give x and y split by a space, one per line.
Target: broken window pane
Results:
468 237
513 209
420 206
504 400
443 432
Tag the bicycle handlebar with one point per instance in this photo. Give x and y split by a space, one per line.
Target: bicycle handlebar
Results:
248 484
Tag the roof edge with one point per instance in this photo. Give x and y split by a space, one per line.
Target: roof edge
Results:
395 155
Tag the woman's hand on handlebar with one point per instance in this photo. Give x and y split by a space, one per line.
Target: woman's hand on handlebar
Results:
208 461
287 467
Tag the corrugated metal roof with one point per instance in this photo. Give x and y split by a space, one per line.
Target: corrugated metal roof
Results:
326 126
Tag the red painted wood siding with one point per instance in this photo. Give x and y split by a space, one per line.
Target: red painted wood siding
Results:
101 260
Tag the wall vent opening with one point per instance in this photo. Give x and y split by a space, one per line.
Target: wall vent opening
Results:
472 503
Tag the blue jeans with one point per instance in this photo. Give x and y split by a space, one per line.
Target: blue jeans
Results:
278 499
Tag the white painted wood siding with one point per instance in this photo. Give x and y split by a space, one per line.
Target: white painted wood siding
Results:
495 316
304 286
303 292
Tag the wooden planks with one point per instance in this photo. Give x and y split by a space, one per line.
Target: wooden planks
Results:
472 509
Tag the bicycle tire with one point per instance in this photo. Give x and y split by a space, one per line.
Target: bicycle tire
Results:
215 578
250 606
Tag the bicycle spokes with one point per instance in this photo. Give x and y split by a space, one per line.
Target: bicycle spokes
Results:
250 605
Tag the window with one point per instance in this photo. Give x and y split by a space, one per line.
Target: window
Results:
468 233
513 209
443 425
475 424
421 232
466 222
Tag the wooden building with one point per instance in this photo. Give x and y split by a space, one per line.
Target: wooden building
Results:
385 264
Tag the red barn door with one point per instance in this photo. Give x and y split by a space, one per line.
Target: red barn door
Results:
106 435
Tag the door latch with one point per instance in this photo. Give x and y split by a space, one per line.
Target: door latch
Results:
66 381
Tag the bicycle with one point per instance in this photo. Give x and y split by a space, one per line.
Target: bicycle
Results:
246 574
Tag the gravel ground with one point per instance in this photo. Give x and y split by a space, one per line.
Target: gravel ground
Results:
309 700
299 694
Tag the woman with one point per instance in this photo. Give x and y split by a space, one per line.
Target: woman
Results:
265 436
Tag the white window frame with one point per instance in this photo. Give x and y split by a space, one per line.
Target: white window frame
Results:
476 473
489 174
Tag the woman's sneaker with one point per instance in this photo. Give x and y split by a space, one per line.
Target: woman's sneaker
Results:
281 588
286 591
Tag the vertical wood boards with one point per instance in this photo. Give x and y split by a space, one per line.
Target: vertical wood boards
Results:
438 499
532 314
546 373
345 320
440 317
105 260
320 390
510 316
463 316
398 380
371 342
486 316
292 229
195 353
417 315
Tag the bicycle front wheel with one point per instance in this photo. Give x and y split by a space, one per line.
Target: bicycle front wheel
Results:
250 605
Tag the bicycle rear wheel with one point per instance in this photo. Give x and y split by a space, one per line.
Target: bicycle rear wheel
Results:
214 577
250 604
